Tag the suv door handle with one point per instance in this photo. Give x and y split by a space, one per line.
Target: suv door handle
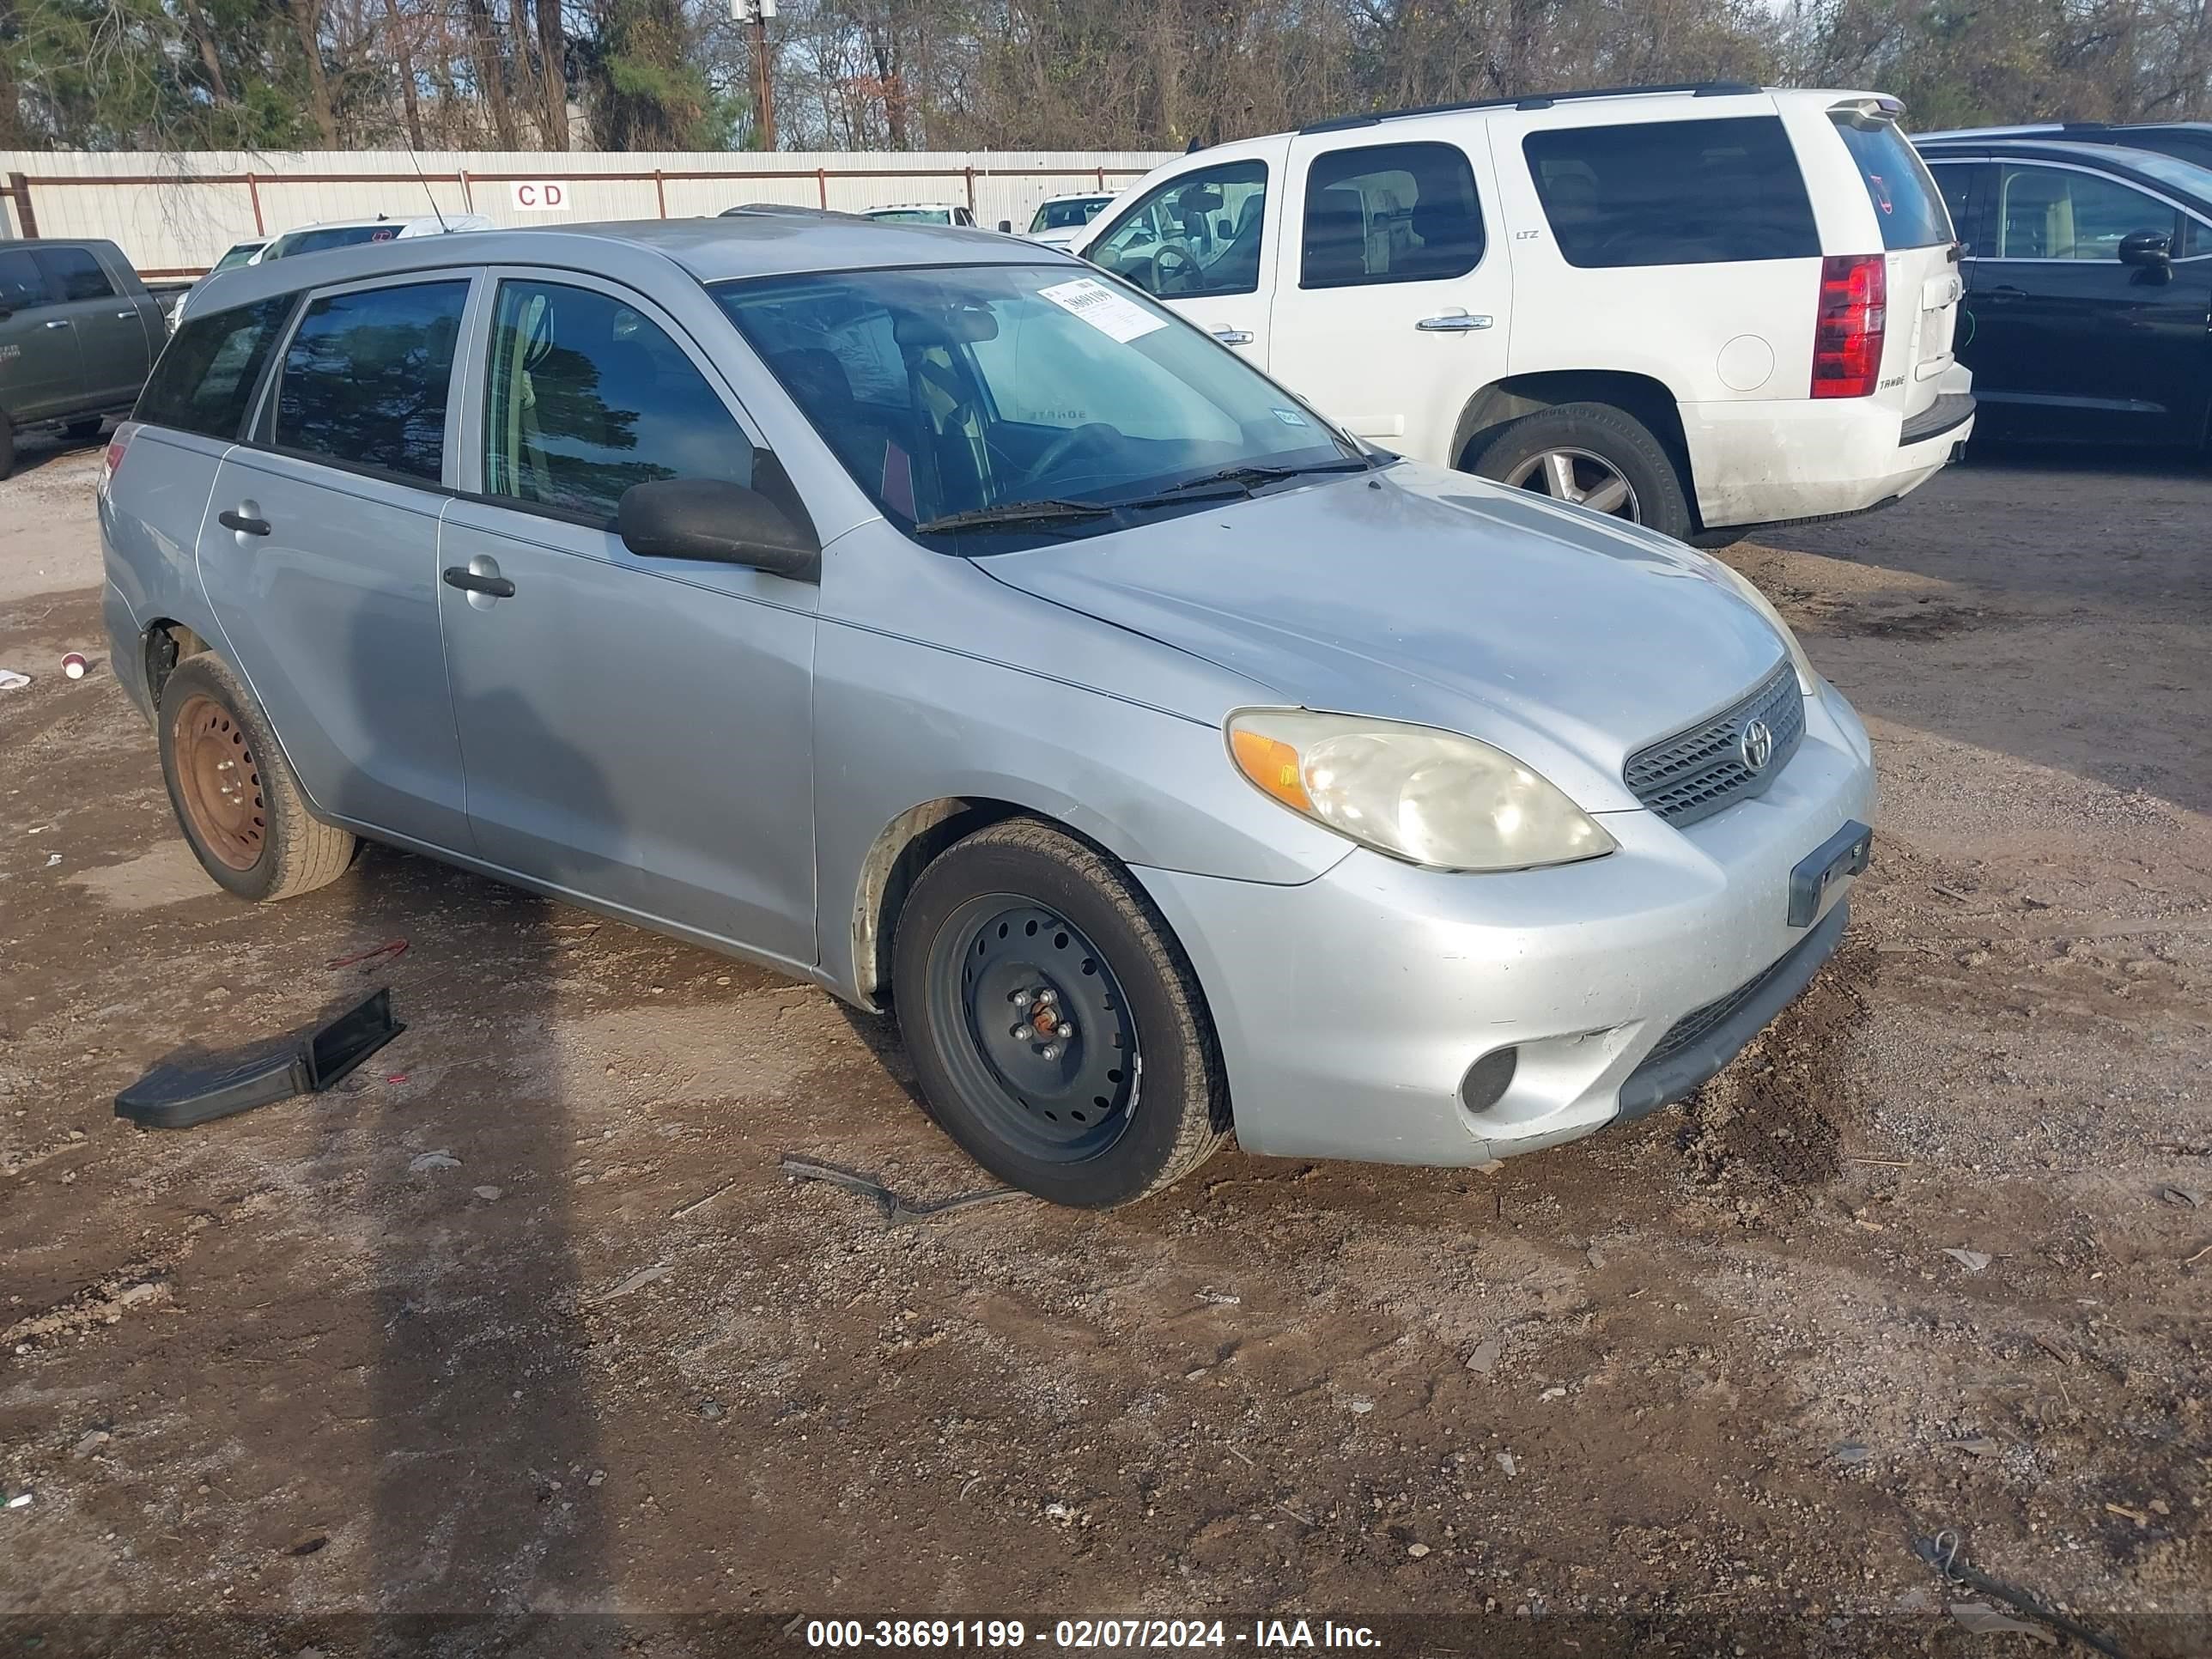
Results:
242 523
58 322
498 587
1233 336
1452 322
126 315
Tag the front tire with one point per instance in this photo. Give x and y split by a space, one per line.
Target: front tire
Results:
1056 1029
1595 456
241 806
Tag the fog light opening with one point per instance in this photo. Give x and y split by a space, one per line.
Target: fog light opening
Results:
1488 1079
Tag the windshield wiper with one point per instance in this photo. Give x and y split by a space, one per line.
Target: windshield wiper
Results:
1007 514
1250 478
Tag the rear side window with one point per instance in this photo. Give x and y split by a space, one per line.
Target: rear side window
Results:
1390 213
1673 192
21 287
1905 202
74 273
207 374
364 378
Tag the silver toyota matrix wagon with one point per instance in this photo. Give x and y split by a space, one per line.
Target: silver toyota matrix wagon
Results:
928 615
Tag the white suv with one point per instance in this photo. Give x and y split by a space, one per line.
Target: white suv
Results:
1703 308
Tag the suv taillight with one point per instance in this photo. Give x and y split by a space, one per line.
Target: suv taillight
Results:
118 444
1847 332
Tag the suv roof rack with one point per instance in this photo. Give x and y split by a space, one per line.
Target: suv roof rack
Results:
1532 101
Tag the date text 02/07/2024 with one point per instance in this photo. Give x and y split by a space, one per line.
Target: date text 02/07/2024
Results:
1261 1636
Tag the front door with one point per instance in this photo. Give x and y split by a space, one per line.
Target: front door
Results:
319 556
635 731
1390 303
1204 241
109 336
2066 342
39 371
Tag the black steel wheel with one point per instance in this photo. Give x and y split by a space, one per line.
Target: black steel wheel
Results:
1056 1029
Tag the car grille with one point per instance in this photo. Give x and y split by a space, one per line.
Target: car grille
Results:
1694 773
1694 1024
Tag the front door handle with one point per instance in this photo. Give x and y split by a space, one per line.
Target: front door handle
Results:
470 582
58 322
1452 322
1233 336
126 315
243 525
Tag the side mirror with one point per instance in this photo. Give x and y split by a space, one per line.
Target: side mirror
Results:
716 522
2150 249
1005 226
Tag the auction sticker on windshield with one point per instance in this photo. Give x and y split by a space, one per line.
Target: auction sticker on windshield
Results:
1104 309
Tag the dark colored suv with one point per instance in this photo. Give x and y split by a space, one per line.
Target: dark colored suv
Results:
78 336
2088 288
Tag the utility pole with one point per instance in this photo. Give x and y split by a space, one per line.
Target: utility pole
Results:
757 12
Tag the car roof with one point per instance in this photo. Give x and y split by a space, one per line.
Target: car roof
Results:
2154 168
640 251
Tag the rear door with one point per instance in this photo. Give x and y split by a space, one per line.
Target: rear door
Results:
1390 304
2067 342
638 731
39 366
111 341
319 554
1205 242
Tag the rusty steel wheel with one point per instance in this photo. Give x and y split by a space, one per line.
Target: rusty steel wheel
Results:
221 783
241 808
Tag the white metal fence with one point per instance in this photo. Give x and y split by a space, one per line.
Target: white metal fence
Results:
174 214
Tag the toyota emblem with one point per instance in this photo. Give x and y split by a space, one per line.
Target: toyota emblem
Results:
1757 746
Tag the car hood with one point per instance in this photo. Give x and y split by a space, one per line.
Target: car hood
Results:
1566 639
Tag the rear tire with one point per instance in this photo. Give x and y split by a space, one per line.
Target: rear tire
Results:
1107 1089
1612 463
7 446
241 806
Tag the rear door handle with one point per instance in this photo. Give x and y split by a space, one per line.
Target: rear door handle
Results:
58 322
2003 291
1452 322
242 523
126 315
499 588
1233 336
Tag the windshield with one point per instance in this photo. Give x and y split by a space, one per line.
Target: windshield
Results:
330 236
1069 216
237 256
1905 200
958 390
914 215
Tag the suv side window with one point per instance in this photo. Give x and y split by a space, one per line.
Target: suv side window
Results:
22 286
1390 213
207 374
1673 192
587 397
1197 233
365 380
74 274
2052 213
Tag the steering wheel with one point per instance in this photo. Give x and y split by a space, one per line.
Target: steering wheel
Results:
1066 445
1162 276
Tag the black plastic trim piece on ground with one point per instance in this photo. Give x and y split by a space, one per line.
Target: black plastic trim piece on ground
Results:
1664 1080
171 1096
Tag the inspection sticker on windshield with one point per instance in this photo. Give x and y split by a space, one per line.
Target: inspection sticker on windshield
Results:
1290 417
1104 309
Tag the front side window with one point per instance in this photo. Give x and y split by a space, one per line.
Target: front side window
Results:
209 369
1197 233
74 274
1390 213
1905 202
587 397
365 380
960 390
2052 213
21 285
1673 192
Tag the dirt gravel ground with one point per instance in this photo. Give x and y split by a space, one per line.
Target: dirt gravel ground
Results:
524 1322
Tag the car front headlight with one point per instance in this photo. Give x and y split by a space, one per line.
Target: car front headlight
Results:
1808 682
1431 797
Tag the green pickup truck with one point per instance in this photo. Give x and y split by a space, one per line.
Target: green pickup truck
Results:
78 336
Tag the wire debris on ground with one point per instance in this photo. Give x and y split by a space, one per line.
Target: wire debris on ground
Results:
896 1210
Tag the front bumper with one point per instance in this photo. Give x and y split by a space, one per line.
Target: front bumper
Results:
1350 1008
